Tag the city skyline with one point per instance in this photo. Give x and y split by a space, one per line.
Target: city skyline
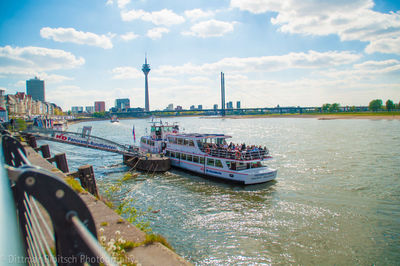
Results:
272 52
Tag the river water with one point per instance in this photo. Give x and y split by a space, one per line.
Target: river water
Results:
336 199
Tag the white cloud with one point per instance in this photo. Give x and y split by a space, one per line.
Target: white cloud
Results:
74 36
109 2
196 14
123 3
350 20
211 28
129 36
163 17
309 60
385 45
156 33
126 73
368 70
30 59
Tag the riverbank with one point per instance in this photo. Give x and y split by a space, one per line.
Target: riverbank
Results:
328 116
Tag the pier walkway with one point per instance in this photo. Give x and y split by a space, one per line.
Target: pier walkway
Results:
84 139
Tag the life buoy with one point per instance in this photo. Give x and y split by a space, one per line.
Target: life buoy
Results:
237 154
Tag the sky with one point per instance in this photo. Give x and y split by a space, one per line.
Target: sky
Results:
273 52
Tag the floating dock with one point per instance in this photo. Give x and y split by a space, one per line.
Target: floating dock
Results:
150 162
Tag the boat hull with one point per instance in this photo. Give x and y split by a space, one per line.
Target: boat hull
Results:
261 175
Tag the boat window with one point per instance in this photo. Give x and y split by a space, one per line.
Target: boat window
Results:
202 160
189 157
179 141
185 142
196 159
241 166
167 153
228 164
191 143
256 165
183 156
210 162
218 163
177 155
232 165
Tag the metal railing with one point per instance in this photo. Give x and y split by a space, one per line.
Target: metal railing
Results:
83 140
55 225
259 154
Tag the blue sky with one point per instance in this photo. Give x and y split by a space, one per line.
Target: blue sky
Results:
272 52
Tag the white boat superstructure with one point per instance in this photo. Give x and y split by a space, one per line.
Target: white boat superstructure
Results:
210 155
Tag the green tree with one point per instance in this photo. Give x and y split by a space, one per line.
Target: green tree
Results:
99 114
325 107
375 105
334 107
389 105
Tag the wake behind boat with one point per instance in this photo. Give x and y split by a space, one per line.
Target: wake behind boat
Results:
209 154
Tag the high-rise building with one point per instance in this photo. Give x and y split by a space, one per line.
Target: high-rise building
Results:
238 105
170 107
99 106
215 106
229 105
2 98
200 107
89 109
35 88
122 104
192 107
146 70
77 109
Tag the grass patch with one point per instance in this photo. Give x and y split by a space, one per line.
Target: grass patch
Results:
129 245
75 184
151 238
104 224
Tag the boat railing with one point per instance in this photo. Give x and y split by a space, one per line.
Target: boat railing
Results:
255 154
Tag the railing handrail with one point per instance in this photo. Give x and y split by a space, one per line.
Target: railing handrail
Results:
74 229
11 247
236 154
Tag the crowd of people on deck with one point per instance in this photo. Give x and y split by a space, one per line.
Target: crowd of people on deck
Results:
234 147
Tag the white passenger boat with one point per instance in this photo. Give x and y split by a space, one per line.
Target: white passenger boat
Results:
209 155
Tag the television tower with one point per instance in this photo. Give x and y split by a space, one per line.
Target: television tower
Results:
146 70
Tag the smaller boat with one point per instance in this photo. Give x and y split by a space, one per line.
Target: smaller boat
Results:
114 119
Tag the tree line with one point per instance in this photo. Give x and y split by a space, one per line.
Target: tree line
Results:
374 105
377 104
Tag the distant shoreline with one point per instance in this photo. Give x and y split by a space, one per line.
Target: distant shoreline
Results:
377 116
331 116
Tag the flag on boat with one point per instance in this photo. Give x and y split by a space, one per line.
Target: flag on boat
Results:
133 133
